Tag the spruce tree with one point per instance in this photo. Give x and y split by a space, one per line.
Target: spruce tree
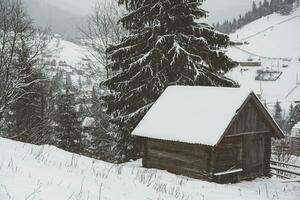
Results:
69 126
166 46
266 8
294 117
254 11
101 141
278 114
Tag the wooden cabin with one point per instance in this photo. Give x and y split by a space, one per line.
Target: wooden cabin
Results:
210 133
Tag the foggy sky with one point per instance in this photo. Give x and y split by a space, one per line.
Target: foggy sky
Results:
65 16
220 10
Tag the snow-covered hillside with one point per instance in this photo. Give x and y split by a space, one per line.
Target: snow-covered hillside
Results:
272 36
72 59
274 41
46 172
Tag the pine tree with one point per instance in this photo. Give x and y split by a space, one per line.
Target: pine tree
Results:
260 10
266 8
69 126
166 47
240 22
291 108
102 142
234 25
255 13
278 114
294 117
275 5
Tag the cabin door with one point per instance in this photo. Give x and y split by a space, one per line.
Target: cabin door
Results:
253 155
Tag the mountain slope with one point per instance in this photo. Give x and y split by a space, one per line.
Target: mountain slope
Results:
46 172
74 60
274 41
273 36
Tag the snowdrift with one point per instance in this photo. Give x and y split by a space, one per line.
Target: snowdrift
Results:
46 172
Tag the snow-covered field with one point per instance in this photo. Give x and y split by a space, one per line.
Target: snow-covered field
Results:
274 41
45 172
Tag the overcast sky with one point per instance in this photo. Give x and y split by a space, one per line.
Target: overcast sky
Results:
65 16
220 10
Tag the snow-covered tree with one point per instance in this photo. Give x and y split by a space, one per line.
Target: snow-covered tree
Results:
167 46
68 124
294 117
101 140
16 32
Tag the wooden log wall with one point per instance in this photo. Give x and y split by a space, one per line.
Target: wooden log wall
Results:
228 154
267 156
191 160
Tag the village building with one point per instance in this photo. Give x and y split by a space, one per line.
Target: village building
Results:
295 139
89 124
212 133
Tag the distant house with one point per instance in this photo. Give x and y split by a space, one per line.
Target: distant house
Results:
295 139
250 64
89 123
62 63
211 133
53 62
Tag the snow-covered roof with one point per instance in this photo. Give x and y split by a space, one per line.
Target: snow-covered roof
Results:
88 122
297 126
192 114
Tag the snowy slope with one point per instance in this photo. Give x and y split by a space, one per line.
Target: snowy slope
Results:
44 172
73 59
274 41
272 36
67 51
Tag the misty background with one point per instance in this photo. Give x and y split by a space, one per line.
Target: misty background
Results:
66 16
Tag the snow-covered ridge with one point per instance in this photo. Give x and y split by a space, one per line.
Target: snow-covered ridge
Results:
273 41
45 172
272 36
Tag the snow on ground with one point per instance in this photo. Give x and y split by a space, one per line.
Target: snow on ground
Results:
73 59
67 51
272 36
274 41
45 172
283 89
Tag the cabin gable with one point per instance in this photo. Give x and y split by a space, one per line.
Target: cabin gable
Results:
249 120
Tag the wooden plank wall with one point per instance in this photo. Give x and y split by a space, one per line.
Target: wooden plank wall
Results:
228 154
250 120
191 160
267 156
